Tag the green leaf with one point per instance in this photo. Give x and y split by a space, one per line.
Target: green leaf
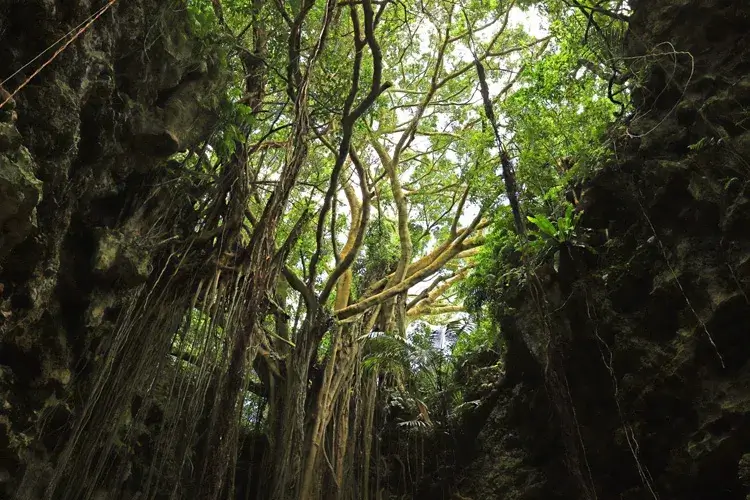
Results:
544 225
569 212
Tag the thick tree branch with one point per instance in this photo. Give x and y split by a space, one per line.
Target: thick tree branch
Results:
350 253
419 275
467 244
435 310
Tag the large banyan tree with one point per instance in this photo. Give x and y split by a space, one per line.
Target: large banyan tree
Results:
340 194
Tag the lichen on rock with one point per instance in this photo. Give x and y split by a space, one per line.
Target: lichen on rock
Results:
20 190
122 258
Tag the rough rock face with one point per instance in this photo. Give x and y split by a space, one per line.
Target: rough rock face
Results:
517 452
642 351
83 169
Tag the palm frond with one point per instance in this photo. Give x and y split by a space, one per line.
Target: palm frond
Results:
457 327
387 353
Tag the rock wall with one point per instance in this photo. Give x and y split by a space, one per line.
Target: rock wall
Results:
88 193
641 350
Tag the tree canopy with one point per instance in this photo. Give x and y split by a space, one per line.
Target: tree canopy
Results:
379 172
377 153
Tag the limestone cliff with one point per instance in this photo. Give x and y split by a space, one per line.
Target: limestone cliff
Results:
87 194
630 379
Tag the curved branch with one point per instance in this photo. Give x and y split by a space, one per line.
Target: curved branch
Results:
459 212
350 254
295 282
348 120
